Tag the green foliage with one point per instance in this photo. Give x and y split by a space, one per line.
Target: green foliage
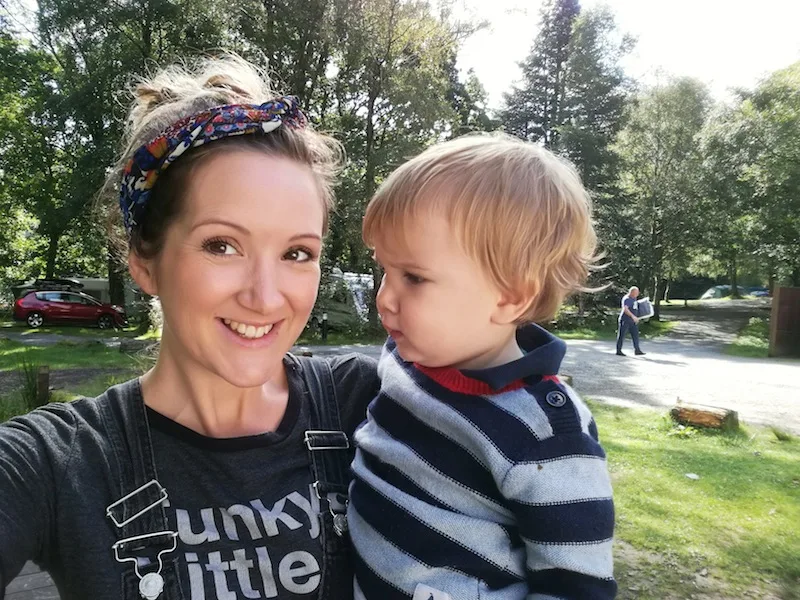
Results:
660 178
674 193
534 111
682 431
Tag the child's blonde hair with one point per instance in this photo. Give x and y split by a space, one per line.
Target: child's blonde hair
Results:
517 209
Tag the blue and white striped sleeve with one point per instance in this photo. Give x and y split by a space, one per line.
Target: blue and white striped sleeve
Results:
562 502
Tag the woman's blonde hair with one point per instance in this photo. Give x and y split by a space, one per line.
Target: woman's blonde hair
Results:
517 209
181 90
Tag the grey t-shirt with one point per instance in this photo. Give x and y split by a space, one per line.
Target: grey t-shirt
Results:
246 518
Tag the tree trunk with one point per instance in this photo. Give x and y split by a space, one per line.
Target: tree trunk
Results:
369 189
52 254
656 298
116 281
771 278
734 270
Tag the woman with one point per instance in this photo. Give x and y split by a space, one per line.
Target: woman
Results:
218 473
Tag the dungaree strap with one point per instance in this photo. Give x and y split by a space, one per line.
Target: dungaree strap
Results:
329 454
137 517
325 440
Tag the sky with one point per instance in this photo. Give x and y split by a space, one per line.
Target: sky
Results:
725 43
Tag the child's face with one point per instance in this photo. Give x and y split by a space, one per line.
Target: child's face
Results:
436 302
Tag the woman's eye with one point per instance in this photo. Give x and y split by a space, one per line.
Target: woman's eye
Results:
219 247
300 255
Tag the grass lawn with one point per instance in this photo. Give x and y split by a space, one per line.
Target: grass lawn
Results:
71 330
732 533
752 341
64 355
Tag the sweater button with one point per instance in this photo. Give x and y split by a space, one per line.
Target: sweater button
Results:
556 399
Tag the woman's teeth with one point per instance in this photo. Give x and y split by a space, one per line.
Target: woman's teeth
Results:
248 331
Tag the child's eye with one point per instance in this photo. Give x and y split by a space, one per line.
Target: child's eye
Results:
219 247
300 255
413 279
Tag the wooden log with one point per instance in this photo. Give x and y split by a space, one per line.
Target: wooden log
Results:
699 415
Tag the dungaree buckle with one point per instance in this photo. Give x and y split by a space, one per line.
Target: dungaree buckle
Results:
319 439
162 497
150 584
151 495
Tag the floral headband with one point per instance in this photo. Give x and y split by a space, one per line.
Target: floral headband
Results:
153 158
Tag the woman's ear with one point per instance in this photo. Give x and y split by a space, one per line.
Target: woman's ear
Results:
143 272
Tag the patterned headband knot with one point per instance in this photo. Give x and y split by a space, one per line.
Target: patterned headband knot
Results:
153 158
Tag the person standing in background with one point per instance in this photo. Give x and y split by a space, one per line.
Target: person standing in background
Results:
628 321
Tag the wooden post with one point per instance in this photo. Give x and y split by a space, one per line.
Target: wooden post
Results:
43 385
784 322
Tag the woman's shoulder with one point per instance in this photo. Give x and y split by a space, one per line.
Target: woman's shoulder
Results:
356 379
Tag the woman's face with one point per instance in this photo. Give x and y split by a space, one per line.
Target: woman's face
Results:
239 270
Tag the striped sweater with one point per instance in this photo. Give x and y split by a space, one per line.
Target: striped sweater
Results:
483 485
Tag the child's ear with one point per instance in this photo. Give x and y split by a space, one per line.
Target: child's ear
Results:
510 307
143 272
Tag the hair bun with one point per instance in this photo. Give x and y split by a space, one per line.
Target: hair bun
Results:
221 81
151 96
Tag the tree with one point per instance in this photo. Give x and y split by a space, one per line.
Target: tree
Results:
93 50
727 195
297 40
39 145
660 176
595 96
772 124
469 102
534 111
389 103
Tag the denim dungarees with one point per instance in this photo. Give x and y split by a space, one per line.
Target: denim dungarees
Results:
146 545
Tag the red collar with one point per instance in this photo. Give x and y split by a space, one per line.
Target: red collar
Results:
455 381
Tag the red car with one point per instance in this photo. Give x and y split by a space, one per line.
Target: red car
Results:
36 307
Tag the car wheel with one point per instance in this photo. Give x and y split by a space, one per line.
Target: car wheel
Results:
105 322
35 319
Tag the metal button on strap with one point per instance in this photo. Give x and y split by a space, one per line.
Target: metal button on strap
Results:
151 586
556 399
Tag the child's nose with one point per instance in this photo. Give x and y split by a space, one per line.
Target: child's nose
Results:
386 299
